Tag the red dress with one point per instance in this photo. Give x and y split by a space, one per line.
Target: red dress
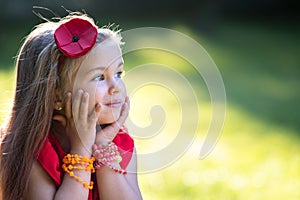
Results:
52 154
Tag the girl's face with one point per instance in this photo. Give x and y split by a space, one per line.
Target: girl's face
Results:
100 74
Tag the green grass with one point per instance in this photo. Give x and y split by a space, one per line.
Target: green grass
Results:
6 93
257 155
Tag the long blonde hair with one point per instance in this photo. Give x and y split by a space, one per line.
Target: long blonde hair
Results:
38 78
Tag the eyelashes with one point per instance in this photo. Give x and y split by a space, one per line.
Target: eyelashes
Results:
120 74
101 77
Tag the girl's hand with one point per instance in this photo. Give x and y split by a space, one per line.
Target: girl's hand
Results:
79 125
107 134
82 123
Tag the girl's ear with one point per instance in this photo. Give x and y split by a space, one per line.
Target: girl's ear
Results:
58 101
58 106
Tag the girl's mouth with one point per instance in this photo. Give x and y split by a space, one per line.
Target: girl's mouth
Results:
114 104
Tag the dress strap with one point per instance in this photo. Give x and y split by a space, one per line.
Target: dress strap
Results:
125 144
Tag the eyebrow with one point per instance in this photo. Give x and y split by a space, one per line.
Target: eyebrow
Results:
102 68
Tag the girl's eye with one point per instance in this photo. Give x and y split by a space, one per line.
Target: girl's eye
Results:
99 77
120 74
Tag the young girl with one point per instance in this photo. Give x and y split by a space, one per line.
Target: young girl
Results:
65 138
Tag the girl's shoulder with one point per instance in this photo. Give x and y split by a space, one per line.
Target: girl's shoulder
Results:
50 158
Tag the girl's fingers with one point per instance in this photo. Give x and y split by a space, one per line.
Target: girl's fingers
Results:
68 107
124 113
76 102
81 109
96 112
127 100
84 106
97 108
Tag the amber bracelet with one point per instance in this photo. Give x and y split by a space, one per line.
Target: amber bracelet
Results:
76 162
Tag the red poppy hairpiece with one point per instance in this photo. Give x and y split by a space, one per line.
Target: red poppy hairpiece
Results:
75 37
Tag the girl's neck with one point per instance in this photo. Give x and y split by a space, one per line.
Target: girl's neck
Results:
58 130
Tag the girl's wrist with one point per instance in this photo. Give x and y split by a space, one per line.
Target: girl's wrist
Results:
102 141
81 148
108 156
83 151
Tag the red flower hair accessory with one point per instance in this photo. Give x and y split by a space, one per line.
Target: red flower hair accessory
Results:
75 37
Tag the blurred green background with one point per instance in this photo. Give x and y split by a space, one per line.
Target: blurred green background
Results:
256 46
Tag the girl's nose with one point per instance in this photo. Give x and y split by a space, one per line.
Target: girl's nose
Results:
113 87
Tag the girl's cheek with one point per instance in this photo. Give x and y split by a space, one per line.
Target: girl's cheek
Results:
98 95
123 88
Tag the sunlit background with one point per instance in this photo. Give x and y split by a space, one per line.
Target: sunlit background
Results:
256 46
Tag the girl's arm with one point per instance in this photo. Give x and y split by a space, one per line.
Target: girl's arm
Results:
113 186
40 184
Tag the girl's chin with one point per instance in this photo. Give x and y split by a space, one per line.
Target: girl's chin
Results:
107 119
